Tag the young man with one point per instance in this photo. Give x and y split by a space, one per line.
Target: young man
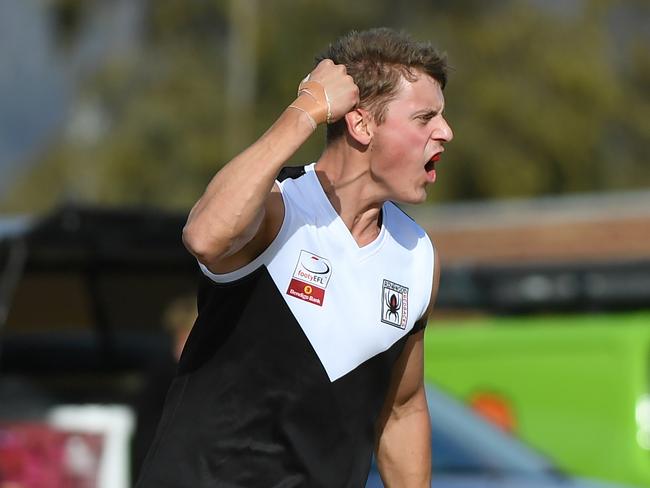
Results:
307 352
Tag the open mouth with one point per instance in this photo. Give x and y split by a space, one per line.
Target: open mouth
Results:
431 164
430 167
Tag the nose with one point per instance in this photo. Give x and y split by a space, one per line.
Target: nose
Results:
443 132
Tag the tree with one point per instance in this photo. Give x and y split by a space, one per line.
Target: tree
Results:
541 101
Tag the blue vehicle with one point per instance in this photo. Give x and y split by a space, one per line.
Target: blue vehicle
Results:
468 452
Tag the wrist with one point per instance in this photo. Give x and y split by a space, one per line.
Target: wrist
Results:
313 100
307 111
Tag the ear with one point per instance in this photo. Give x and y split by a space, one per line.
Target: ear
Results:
359 127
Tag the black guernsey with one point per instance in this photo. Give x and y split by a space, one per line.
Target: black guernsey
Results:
288 364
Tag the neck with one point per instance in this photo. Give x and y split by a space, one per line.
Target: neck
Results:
344 173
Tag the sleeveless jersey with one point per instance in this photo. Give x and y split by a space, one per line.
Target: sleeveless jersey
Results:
287 367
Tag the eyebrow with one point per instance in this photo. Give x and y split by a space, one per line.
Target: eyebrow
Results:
428 112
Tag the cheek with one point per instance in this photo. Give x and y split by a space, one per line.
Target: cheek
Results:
403 140
398 148
413 137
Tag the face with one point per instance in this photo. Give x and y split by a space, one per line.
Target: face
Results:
407 145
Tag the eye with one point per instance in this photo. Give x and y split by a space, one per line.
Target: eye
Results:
426 117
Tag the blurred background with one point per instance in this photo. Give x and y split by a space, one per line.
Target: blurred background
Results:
114 115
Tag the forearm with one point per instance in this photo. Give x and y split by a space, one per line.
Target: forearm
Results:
231 208
404 446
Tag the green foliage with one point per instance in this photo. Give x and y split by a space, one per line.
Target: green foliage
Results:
541 101
533 100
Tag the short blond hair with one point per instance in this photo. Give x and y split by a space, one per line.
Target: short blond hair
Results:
377 59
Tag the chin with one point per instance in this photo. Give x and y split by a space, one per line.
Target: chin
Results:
412 199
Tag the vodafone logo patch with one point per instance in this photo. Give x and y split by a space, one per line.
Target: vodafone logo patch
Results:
310 278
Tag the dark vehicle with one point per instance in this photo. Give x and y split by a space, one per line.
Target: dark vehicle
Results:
469 452
84 338
83 292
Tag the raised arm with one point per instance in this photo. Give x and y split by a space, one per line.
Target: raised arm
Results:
240 212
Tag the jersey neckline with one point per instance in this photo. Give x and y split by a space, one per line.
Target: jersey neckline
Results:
325 204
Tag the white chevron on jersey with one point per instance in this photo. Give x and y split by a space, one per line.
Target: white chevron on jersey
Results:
352 303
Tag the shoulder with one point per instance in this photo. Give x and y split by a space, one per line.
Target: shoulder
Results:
418 254
405 230
290 173
294 183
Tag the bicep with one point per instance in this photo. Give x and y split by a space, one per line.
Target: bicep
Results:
409 373
262 232
407 381
410 366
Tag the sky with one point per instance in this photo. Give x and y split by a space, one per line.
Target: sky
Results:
35 89
39 78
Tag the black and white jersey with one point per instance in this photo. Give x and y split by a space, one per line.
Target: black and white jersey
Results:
287 367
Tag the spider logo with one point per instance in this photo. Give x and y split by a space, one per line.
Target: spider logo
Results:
394 305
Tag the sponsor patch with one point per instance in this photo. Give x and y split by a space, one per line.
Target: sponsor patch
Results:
310 278
394 304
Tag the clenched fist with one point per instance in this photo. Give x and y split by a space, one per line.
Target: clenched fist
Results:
327 93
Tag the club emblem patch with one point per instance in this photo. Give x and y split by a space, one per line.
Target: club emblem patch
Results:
310 278
394 304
